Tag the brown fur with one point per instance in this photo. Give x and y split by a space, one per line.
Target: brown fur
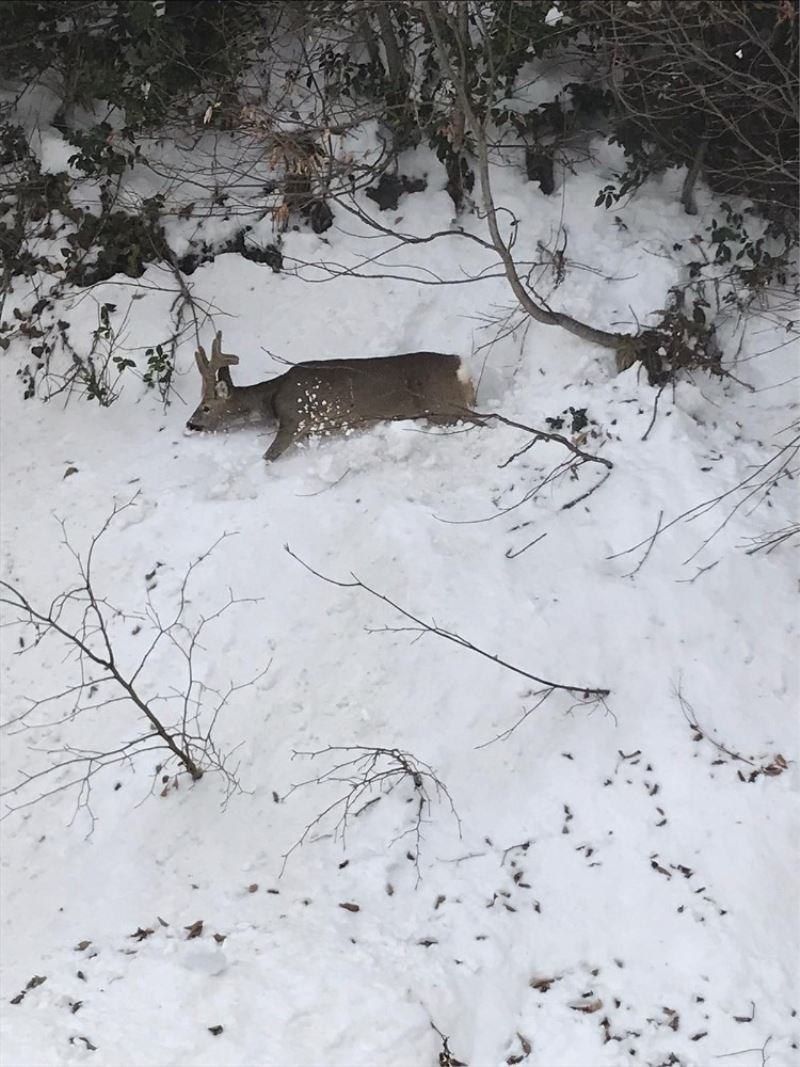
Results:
326 396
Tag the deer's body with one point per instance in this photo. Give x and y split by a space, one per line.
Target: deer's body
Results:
326 396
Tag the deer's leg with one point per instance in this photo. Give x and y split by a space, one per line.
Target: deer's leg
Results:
442 420
283 439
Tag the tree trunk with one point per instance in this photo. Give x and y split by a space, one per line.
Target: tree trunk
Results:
433 12
687 193
369 39
394 59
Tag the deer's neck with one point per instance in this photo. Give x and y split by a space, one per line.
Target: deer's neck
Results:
253 401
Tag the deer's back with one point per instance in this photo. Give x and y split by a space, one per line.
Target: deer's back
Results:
329 394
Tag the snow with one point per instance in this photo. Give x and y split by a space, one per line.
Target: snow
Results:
599 853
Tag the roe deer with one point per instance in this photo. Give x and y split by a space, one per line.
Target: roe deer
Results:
324 396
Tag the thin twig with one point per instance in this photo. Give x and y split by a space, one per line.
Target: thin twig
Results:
540 435
649 548
587 693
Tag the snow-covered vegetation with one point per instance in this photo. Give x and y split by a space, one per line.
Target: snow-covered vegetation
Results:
422 744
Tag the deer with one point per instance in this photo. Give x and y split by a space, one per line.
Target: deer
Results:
322 397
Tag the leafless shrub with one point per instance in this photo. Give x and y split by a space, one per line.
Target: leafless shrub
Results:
453 46
178 726
365 774
749 493
710 84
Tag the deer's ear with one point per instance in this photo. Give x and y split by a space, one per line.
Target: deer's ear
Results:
222 390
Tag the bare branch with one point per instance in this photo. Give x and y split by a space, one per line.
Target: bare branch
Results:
80 619
365 771
438 16
586 694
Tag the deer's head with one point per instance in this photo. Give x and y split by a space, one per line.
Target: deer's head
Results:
218 408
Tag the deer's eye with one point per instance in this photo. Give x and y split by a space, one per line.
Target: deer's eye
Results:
206 407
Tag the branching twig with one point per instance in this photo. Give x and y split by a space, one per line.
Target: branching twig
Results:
81 618
745 1051
652 422
648 550
756 486
771 767
364 771
585 694
768 542
441 22
539 435
587 494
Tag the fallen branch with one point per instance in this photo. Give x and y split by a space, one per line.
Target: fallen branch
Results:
770 767
586 694
538 435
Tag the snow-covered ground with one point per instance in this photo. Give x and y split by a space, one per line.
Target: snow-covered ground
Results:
609 886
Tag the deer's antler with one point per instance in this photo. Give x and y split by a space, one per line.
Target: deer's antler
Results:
217 368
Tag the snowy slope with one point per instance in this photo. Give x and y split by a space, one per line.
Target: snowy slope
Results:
609 890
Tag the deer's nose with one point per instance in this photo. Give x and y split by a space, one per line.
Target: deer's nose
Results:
193 426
